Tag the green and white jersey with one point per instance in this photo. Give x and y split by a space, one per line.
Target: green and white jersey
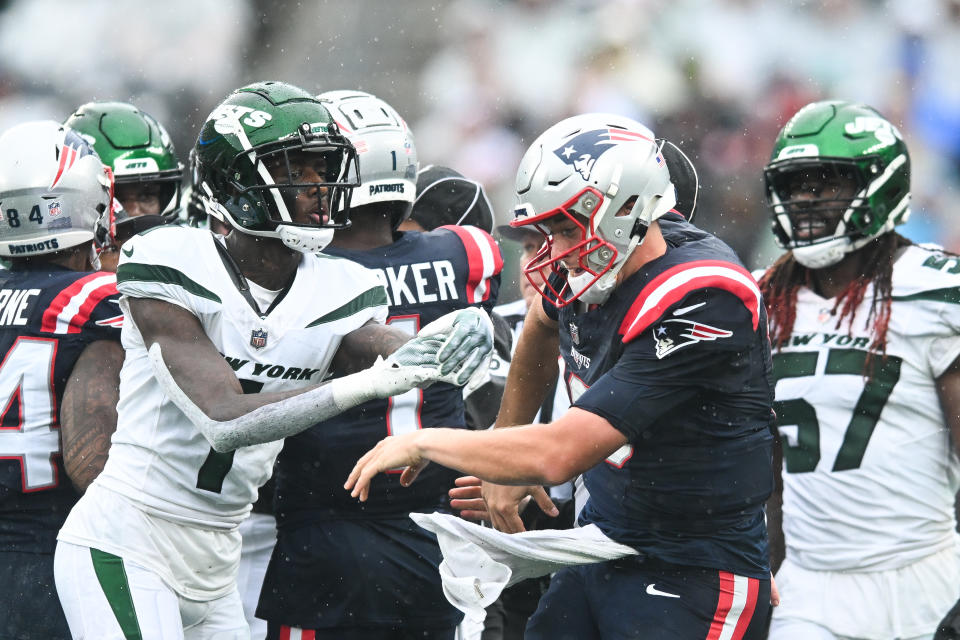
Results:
158 457
870 473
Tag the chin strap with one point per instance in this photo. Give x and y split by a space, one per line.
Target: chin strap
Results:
305 240
599 291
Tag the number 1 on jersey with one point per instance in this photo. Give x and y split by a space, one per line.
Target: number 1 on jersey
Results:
403 410
217 465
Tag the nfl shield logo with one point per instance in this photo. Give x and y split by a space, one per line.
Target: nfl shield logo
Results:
54 208
574 333
258 339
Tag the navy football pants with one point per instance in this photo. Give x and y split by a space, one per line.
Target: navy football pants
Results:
650 600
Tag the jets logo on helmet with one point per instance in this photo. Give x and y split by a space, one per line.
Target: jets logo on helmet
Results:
583 150
228 118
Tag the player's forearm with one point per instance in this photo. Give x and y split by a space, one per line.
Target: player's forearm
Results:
266 417
504 456
88 412
533 369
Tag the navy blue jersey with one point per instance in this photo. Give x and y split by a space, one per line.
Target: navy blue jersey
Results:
48 315
679 361
426 276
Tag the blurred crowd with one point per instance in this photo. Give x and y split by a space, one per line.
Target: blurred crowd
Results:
480 79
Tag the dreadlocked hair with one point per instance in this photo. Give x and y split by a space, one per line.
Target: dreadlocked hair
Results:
783 280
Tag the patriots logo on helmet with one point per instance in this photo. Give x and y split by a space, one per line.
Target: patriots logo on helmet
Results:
674 334
582 150
74 148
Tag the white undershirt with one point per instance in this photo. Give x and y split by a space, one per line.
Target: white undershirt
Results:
264 297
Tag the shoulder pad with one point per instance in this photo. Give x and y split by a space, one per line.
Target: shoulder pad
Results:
77 304
927 273
669 288
484 259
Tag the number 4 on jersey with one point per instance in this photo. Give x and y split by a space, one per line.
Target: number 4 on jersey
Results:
29 430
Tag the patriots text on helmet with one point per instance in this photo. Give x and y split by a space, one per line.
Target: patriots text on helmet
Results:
45 245
396 187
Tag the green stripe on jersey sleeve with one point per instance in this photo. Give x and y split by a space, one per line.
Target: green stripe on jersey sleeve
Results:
138 272
372 297
950 295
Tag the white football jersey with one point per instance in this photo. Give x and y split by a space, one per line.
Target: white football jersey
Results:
157 456
870 472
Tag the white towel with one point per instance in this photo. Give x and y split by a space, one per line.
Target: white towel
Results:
479 562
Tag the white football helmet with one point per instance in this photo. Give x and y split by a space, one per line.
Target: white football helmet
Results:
587 168
53 189
385 149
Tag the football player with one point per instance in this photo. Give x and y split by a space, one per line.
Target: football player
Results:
348 570
145 167
60 340
668 363
866 332
226 344
444 198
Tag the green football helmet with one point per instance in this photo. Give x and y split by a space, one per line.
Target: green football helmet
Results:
137 149
841 143
242 169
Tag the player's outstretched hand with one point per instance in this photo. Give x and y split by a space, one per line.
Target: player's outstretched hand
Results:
412 365
467 346
466 498
390 453
505 503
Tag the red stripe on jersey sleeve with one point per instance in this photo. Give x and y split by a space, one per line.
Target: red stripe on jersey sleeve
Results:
671 286
479 268
96 297
48 323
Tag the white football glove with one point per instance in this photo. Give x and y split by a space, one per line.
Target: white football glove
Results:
467 344
412 365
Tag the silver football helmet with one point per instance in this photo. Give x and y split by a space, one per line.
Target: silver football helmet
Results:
53 189
588 168
385 149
